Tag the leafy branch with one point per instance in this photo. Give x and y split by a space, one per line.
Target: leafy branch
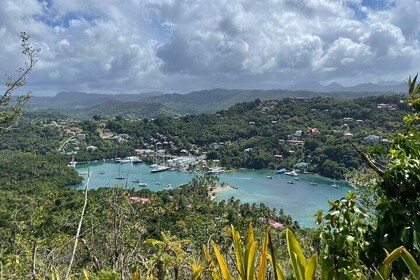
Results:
11 110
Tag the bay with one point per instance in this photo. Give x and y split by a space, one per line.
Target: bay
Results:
300 200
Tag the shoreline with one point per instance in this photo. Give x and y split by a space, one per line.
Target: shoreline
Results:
219 188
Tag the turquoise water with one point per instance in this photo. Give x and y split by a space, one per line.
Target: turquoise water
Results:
301 200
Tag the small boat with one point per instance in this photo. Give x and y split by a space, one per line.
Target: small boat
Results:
291 173
157 183
269 177
291 182
282 170
313 183
136 181
142 184
101 172
296 178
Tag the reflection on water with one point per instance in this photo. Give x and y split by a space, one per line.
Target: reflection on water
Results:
300 200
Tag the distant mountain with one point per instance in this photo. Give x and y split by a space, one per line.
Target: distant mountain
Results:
336 87
333 87
156 104
308 86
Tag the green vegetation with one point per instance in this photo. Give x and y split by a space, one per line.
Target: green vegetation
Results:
182 233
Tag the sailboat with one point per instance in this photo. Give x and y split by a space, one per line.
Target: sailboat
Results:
155 167
119 177
334 185
313 183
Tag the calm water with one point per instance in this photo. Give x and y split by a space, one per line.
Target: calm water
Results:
301 200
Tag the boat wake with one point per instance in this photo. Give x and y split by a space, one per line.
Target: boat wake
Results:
242 178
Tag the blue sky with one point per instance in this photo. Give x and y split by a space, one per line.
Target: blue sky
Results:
135 46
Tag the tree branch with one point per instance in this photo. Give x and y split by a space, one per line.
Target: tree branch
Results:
78 228
367 160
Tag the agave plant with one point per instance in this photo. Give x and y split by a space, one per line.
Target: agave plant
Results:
248 268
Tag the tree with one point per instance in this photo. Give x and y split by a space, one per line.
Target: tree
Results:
11 109
398 210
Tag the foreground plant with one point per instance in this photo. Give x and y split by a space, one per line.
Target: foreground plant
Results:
251 263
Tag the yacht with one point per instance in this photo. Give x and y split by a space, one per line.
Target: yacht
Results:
135 181
142 184
291 173
159 168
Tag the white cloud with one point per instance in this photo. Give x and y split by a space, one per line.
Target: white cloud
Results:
133 46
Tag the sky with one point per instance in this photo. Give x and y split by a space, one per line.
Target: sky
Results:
134 46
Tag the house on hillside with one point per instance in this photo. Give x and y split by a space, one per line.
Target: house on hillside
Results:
313 130
298 133
345 126
141 200
91 148
371 138
81 136
348 135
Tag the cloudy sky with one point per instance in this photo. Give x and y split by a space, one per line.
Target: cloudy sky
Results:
132 46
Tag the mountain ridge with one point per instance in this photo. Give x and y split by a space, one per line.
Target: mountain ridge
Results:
195 102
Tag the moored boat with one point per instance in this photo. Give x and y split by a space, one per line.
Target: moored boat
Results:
291 173
159 168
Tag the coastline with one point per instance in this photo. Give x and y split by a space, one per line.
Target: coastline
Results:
219 188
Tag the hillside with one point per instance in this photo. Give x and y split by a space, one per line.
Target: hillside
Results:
196 102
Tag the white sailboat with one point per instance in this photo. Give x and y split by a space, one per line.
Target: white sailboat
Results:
334 185
156 167
119 177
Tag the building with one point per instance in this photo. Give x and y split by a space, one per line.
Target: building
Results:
348 135
371 138
141 200
293 142
313 130
81 136
345 126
